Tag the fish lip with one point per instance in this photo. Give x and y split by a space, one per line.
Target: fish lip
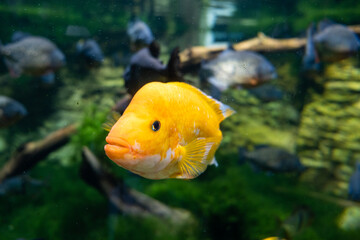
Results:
118 142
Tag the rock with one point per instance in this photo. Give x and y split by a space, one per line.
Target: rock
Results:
337 86
337 188
329 137
340 155
349 219
255 123
343 172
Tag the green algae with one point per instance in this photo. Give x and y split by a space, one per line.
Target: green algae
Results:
333 118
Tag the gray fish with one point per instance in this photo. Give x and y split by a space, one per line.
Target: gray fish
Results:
237 68
354 184
267 93
10 111
19 184
139 33
144 67
19 35
324 24
31 239
77 31
272 159
299 219
336 42
48 79
33 56
90 51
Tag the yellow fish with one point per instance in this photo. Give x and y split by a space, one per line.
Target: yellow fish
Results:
169 130
274 238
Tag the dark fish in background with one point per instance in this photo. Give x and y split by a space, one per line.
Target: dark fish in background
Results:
139 33
19 184
354 184
33 56
144 67
324 24
19 35
10 111
311 61
333 42
77 31
31 239
336 42
271 159
90 52
300 218
267 93
236 68
122 104
48 79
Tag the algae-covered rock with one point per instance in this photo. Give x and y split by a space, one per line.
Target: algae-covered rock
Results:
349 219
343 172
256 122
329 133
336 187
337 86
340 155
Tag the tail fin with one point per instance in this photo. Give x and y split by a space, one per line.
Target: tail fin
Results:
310 59
154 49
173 66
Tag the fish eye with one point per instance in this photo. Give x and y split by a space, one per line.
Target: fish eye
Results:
155 126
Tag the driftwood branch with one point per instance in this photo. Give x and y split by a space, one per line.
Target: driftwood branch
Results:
355 28
29 154
124 199
194 55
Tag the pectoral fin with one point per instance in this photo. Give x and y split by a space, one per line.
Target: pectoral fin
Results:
197 156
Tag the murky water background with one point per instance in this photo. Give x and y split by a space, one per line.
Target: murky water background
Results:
316 119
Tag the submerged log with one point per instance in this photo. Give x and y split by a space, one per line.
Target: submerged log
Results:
193 56
124 199
29 154
355 28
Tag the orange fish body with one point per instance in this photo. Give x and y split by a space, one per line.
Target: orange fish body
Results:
274 238
169 130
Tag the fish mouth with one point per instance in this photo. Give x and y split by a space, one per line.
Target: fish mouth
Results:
116 147
119 142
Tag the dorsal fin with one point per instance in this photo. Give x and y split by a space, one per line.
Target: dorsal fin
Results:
222 110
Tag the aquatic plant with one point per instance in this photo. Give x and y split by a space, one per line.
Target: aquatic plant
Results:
90 132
